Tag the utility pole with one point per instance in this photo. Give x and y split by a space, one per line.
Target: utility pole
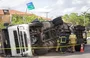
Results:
84 17
46 14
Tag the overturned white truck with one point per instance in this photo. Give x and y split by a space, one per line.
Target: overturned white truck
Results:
36 38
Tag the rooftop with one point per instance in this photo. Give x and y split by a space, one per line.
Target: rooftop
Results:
2 12
14 12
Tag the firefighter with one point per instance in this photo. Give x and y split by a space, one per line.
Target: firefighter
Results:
72 39
63 40
58 44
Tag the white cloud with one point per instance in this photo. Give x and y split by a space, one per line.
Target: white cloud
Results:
70 6
88 1
10 3
42 10
77 2
69 10
60 2
54 7
84 8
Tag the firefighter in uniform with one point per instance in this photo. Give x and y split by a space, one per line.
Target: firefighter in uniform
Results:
72 39
61 42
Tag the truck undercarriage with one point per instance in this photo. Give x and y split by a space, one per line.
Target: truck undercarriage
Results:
39 37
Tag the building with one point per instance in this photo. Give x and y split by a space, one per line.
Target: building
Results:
5 15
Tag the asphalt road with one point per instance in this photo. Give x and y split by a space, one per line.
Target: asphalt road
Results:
85 54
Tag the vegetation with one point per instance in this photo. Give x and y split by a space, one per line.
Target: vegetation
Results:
18 19
77 19
1 26
73 18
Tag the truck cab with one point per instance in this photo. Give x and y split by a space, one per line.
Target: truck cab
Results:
16 40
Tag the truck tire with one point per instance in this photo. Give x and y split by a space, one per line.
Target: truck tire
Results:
85 41
77 48
57 21
40 51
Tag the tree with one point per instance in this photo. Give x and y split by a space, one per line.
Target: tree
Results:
18 19
76 19
1 25
87 19
66 18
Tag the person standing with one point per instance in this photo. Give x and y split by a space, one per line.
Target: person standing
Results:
63 42
72 39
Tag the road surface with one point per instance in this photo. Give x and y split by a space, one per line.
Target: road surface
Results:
86 54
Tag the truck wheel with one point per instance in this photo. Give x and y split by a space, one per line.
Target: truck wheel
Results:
77 48
40 51
85 41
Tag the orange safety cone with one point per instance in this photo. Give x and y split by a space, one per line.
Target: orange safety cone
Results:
82 49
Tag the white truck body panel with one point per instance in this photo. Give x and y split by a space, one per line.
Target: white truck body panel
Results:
23 28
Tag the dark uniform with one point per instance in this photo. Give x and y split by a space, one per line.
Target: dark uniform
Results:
62 42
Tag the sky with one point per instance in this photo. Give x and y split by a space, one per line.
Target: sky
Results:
50 8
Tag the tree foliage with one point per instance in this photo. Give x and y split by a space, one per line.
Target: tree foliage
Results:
77 19
19 19
1 25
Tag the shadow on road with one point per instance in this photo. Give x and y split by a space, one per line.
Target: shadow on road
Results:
86 51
